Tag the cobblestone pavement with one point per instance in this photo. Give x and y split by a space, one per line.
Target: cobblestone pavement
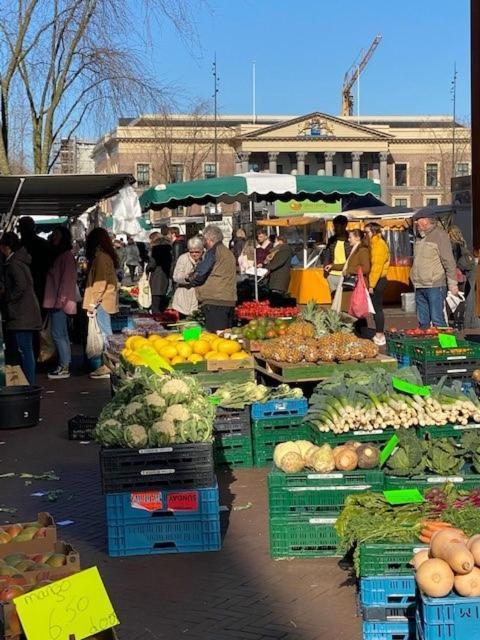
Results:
237 593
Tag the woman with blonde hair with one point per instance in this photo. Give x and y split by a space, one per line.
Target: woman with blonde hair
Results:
379 261
184 299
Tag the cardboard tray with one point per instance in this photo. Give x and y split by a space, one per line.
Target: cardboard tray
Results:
230 365
38 545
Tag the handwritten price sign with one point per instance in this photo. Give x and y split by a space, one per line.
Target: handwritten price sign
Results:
78 605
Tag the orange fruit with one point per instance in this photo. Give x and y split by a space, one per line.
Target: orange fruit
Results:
201 347
168 352
229 347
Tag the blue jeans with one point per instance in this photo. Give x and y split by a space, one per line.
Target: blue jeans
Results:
105 325
430 304
59 329
24 340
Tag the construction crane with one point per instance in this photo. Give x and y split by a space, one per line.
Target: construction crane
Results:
353 74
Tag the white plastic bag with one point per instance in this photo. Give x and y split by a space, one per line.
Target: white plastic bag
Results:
94 346
144 292
337 299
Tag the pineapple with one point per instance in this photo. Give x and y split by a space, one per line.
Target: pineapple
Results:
301 328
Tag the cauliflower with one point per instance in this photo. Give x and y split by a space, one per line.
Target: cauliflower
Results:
162 432
176 412
155 401
135 436
132 408
175 391
109 433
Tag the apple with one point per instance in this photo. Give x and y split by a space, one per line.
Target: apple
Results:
13 623
14 529
4 537
7 570
57 560
11 592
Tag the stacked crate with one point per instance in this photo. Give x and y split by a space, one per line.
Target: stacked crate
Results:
274 422
303 509
387 591
162 500
434 361
232 446
451 618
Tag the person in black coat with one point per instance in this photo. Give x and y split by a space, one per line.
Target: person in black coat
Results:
39 250
278 264
179 245
159 267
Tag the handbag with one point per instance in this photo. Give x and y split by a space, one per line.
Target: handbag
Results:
349 282
360 303
94 346
144 291
47 345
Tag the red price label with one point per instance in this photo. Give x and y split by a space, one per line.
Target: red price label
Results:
183 501
147 500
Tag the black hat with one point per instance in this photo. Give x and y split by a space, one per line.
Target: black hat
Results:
427 212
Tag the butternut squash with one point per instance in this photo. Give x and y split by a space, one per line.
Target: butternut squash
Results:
419 558
443 537
458 557
472 540
435 578
468 585
474 548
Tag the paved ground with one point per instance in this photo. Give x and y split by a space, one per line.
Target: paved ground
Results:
238 592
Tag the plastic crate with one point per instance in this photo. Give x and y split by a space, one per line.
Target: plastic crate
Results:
167 535
466 479
431 351
403 361
233 451
279 408
179 466
451 618
387 559
387 591
303 538
266 434
232 422
133 507
81 427
401 630
335 439
431 372
307 494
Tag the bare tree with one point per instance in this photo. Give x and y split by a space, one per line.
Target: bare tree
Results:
74 59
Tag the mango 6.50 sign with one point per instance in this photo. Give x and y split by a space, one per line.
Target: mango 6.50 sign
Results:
76 606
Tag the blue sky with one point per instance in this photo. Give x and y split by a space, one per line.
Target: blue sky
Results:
303 48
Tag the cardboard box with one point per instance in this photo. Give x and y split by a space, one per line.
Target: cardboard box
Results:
14 376
45 542
230 365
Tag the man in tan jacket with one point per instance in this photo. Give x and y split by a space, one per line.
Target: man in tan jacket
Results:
433 270
215 281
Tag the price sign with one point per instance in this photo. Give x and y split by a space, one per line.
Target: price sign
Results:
403 496
388 449
408 387
78 605
192 333
447 340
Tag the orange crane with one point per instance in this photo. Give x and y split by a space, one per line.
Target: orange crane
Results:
353 74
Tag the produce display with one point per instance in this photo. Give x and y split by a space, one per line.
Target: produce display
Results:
293 457
262 329
431 332
452 561
21 532
367 401
174 350
238 396
414 456
153 411
255 309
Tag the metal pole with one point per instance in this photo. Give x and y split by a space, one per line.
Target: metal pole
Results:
358 95
454 99
254 231
254 94
305 241
475 108
215 111
9 216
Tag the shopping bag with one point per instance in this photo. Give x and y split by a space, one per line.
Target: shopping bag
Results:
359 307
94 346
47 349
337 298
144 292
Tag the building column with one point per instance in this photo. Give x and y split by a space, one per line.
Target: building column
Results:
356 155
238 162
383 156
244 156
329 155
272 161
301 155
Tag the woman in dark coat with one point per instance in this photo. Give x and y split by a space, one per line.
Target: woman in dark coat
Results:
278 263
159 267
359 258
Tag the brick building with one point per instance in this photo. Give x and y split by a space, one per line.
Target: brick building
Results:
412 157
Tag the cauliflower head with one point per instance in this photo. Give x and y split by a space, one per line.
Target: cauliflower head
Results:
135 436
176 412
132 408
155 402
175 390
162 432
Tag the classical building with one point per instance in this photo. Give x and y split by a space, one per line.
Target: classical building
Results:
412 157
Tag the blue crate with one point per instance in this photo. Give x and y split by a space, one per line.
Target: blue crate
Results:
167 535
390 614
451 618
401 630
403 361
160 504
387 591
279 408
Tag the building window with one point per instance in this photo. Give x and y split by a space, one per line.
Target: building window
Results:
209 170
334 170
401 174
307 169
431 174
400 202
143 175
279 168
364 169
462 169
176 173
432 201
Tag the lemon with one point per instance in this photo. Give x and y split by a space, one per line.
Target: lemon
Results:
229 347
152 337
201 347
239 355
178 360
195 358
174 337
133 342
184 350
168 352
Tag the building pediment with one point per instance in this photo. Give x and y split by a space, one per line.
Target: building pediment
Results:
316 126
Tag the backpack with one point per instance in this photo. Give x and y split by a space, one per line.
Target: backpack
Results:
466 261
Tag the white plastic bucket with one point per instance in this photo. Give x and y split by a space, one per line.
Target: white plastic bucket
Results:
408 302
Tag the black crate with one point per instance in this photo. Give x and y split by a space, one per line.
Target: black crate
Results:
179 466
232 422
431 372
81 427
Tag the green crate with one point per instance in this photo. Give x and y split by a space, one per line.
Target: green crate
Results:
447 430
309 493
266 434
387 558
233 451
303 538
433 352
336 439
465 480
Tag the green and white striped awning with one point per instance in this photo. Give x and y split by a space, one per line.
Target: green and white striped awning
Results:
261 186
